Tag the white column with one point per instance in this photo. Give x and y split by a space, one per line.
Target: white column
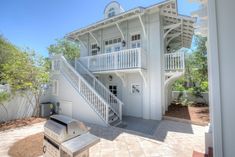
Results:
155 67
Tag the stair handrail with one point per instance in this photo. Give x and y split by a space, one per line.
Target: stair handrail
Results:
120 103
89 86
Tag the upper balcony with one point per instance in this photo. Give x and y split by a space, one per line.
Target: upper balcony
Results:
130 60
174 62
124 60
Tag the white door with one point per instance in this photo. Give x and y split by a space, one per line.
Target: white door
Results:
66 108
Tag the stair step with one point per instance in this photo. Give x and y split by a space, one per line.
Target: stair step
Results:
116 123
114 118
111 114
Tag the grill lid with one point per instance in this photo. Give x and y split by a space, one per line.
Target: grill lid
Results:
61 128
70 124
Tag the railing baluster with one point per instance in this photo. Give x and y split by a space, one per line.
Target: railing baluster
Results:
174 61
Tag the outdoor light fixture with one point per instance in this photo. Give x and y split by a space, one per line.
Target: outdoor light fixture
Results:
98 48
123 43
168 48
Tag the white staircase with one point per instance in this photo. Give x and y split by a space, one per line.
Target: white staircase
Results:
103 102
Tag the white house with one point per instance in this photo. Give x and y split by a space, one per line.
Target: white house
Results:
128 62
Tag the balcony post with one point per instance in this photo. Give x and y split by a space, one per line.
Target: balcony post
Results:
139 56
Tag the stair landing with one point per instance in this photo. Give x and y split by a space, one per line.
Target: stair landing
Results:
139 125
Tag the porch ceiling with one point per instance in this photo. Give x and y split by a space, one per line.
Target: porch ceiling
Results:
182 34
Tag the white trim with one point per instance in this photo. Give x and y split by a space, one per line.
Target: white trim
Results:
173 37
124 16
123 37
55 87
142 25
214 79
143 74
94 38
82 43
171 27
121 76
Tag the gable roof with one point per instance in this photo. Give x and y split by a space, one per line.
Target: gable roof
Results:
117 18
169 11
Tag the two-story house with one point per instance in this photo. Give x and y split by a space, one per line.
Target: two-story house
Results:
127 65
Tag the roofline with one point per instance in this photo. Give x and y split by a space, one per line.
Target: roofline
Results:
105 20
159 4
141 9
194 19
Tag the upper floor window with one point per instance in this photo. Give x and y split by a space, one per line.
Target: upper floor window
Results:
113 45
94 49
111 12
136 41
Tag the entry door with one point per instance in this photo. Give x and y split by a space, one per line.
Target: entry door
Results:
113 89
66 108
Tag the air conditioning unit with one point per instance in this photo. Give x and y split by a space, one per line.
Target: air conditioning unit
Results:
46 109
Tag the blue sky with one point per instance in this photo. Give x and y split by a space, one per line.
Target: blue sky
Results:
37 23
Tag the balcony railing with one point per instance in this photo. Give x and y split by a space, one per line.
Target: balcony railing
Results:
174 61
121 60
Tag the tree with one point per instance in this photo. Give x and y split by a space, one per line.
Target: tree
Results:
27 72
23 71
196 71
7 50
69 49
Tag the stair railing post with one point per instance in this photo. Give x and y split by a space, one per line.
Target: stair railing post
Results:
120 110
107 114
79 85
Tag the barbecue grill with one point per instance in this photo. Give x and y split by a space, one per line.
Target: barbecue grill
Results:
66 137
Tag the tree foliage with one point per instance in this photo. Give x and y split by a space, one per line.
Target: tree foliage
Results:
68 48
24 71
196 71
7 50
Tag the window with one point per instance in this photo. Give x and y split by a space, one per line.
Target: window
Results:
113 45
108 49
136 41
135 89
117 48
113 89
111 12
94 49
55 87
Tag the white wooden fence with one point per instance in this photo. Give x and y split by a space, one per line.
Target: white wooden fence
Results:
19 106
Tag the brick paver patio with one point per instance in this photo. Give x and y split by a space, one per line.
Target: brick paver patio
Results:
171 139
